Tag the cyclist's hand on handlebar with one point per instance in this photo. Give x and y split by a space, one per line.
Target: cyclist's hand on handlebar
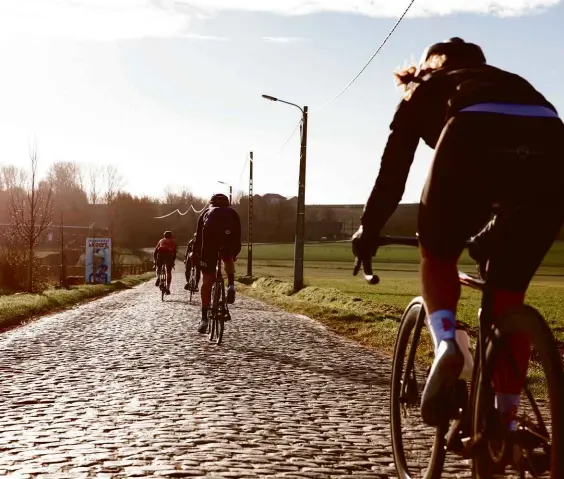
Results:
364 245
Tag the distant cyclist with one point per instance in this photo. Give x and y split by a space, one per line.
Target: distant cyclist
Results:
218 232
497 140
165 255
191 259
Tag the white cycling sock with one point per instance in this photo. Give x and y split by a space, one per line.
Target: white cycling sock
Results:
507 405
442 325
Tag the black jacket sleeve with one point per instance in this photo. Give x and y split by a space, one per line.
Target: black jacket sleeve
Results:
394 168
198 243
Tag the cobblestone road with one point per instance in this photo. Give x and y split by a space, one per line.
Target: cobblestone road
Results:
125 387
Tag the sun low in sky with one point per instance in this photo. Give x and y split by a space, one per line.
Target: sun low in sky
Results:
170 91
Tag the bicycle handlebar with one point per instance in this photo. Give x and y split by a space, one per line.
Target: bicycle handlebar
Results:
366 264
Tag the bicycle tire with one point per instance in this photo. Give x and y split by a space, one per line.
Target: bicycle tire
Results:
438 453
211 326
523 319
213 313
190 285
218 298
220 325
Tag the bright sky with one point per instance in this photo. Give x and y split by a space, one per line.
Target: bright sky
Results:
169 91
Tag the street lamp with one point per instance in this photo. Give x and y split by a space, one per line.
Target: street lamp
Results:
230 191
300 220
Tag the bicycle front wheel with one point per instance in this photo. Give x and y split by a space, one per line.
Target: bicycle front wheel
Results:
219 325
536 448
411 437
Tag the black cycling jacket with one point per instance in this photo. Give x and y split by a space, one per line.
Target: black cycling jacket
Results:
438 97
217 220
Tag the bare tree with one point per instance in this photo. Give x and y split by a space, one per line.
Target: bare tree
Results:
11 177
31 211
64 175
94 180
80 172
113 182
178 196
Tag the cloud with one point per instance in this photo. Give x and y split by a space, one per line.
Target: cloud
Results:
99 20
197 36
378 8
284 39
107 20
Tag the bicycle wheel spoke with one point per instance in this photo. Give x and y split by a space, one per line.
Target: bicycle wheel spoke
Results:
539 422
411 437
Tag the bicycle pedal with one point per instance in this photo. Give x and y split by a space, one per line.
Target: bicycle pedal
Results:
453 438
471 443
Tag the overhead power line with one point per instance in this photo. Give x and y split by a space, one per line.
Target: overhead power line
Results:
348 85
180 213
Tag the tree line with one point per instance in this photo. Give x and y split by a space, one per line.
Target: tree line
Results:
34 206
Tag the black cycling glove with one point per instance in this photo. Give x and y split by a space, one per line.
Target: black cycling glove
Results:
365 243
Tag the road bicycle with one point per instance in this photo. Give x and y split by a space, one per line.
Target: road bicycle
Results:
472 426
162 281
219 312
192 281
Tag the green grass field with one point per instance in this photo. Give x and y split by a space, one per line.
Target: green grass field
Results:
330 266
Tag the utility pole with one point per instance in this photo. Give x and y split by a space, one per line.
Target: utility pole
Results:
300 218
300 226
63 265
250 221
230 194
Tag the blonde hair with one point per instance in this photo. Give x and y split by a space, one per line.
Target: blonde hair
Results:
409 77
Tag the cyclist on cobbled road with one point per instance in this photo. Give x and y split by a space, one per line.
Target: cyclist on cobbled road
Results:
165 256
218 232
497 140
191 259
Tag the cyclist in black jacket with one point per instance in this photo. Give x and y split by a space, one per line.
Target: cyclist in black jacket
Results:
497 140
218 233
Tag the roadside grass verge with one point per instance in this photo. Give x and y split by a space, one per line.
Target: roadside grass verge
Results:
371 324
17 308
370 315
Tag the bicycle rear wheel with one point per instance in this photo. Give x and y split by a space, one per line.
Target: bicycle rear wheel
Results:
191 284
537 447
411 437
213 313
219 325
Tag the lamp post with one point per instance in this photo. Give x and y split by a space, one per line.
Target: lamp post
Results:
250 220
230 191
300 220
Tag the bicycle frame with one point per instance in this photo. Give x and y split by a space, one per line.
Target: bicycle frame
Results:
484 333
219 282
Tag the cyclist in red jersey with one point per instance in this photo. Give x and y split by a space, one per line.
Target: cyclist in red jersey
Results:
165 255
497 141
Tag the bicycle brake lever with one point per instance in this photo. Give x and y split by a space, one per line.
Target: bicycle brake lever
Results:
369 276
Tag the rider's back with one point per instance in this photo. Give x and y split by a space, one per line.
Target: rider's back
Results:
443 93
223 225
167 245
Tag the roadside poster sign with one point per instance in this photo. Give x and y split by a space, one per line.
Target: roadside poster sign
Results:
98 260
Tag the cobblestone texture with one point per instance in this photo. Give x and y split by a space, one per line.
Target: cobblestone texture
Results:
125 387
